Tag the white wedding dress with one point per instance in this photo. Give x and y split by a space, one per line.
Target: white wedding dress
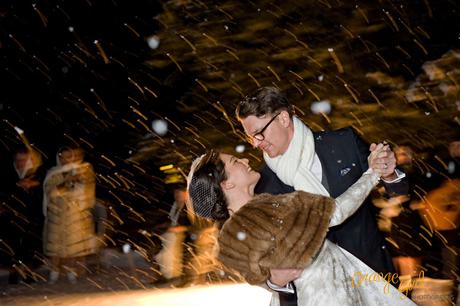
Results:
336 277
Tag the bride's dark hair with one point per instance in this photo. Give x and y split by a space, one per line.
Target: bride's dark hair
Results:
204 188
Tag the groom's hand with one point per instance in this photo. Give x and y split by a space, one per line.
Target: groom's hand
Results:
384 162
281 277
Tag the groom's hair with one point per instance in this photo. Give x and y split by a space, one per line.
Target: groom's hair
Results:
265 100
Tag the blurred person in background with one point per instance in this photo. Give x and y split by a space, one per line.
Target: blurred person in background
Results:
440 212
21 218
401 223
171 257
202 262
69 197
423 229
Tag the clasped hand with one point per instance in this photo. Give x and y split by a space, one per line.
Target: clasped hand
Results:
382 160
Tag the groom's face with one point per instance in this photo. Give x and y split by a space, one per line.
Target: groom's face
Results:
275 137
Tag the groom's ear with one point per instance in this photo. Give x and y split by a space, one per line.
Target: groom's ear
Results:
226 185
285 119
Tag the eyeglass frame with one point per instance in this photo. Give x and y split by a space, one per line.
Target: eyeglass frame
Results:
261 132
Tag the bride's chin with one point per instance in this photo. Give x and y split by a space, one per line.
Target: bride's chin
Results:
256 176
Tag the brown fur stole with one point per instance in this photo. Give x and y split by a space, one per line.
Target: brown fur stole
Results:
275 231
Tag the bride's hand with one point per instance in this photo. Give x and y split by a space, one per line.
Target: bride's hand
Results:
382 160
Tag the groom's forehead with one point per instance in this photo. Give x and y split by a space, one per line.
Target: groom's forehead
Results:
253 123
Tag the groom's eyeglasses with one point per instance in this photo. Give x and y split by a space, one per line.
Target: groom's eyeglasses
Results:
260 135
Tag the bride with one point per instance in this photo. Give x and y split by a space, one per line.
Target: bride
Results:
264 232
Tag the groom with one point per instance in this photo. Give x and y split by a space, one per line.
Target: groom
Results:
332 162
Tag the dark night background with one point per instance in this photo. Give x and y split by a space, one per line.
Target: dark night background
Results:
60 92
82 72
58 88
51 72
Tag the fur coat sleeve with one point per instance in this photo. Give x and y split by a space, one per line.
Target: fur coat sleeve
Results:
275 231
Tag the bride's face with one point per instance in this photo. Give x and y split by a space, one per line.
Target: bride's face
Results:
239 172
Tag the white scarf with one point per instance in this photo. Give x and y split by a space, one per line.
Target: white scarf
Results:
294 166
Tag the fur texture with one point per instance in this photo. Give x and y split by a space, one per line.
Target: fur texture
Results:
275 231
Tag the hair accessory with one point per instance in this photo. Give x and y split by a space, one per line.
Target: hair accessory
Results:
201 195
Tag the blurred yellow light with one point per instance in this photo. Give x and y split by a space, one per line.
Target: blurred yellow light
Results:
166 167
174 178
